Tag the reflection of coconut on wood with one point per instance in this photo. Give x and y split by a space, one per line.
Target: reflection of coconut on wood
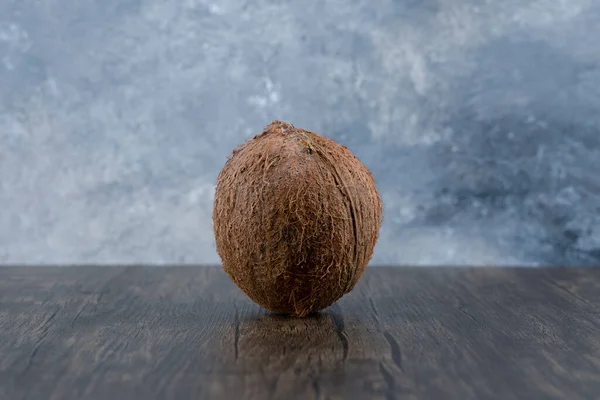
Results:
296 218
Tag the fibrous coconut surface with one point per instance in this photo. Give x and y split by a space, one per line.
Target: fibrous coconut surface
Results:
296 218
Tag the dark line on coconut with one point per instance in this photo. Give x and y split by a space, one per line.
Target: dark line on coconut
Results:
332 237
252 269
338 178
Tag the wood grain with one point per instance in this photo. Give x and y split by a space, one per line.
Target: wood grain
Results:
403 333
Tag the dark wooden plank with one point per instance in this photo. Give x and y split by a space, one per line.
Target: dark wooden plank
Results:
403 333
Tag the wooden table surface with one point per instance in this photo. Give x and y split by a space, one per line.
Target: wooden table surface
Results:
403 333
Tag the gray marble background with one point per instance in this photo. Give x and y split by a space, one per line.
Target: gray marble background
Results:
479 119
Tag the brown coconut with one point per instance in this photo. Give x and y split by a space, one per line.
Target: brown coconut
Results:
296 217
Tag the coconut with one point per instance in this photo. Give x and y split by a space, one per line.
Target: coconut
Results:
296 218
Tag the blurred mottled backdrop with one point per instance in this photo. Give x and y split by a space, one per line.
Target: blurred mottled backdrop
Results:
480 120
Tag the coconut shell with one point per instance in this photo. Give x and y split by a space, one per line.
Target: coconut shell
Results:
296 217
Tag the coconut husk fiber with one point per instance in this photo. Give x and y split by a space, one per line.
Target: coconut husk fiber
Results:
296 217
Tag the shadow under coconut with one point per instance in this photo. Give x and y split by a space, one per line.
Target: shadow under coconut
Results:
314 356
283 341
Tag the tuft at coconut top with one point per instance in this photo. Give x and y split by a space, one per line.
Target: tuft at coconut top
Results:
296 218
